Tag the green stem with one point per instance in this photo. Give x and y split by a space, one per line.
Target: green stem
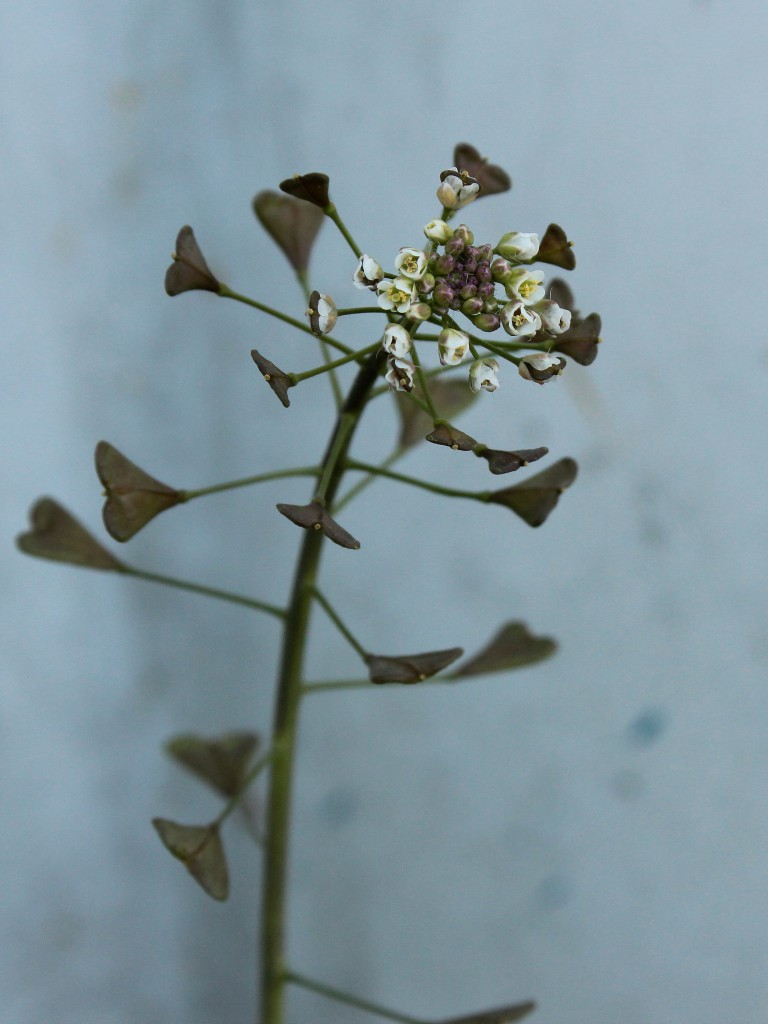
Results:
424 386
287 709
344 997
246 481
337 362
197 588
227 293
341 684
326 685
520 346
335 386
331 211
352 310
498 351
303 279
451 492
340 440
335 618
366 481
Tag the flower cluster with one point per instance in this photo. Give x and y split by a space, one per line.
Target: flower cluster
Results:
494 287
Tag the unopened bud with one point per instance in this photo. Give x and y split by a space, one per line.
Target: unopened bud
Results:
500 270
443 295
487 322
454 246
438 231
464 233
444 264
420 311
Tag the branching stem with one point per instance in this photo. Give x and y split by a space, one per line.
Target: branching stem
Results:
451 492
248 481
421 377
345 997
359 355
227 293
366 481
198 588
336 619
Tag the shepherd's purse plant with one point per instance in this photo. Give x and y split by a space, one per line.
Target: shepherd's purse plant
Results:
453 319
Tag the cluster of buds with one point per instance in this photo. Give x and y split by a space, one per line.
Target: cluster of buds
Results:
494 287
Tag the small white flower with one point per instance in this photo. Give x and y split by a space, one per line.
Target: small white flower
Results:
411 263
519 321
483 375
396 341
367 274
396 294
517 246
400 374
554 318
525 285
452 346
322 313
438 231
456 190
540 367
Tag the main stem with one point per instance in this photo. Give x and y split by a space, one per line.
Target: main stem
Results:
289 694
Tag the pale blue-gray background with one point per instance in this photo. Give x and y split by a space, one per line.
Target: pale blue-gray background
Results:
591 832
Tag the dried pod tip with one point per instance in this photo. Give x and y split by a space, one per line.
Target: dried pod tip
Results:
274 376
189 272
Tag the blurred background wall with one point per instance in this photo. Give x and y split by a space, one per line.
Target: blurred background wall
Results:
590 832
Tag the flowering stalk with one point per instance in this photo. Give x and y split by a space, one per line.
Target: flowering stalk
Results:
493 289
287 707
